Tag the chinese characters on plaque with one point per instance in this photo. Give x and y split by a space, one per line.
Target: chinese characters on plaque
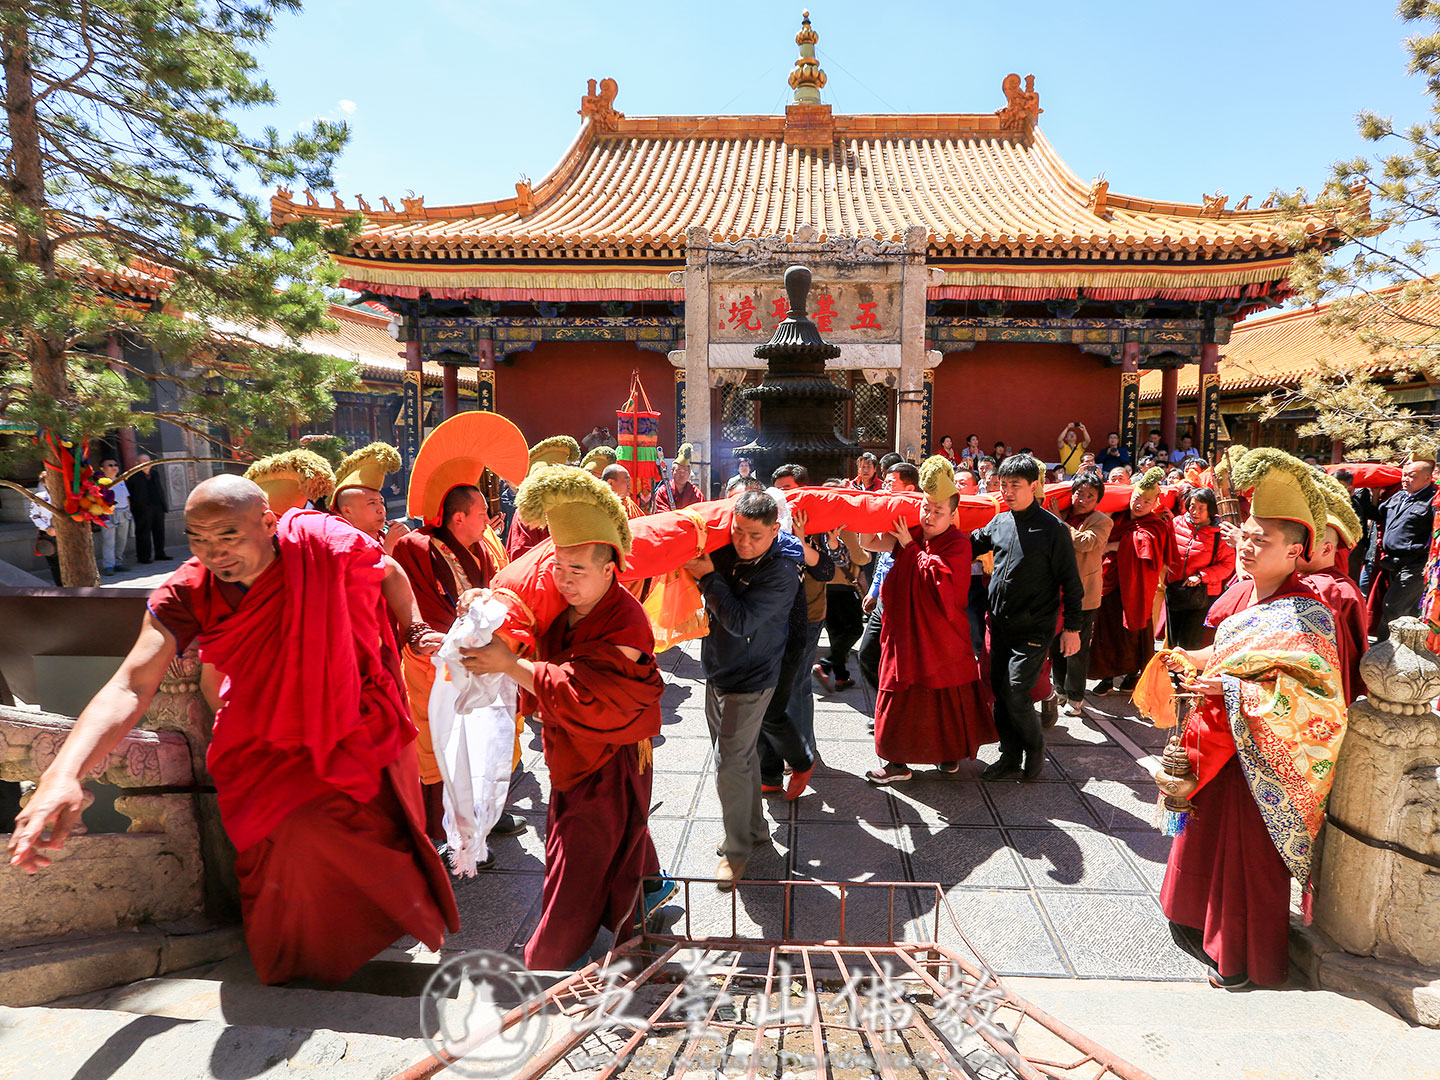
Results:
843 312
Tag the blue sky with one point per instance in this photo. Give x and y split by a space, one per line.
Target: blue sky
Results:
456 98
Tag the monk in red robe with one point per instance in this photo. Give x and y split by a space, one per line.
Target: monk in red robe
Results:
597 690
443 562
1262 746
679 492
524 535
316 786
1326 573
1137 557
931 706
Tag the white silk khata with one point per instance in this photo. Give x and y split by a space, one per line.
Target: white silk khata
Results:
472 727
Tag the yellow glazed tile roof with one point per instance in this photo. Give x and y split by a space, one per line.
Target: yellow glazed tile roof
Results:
982 185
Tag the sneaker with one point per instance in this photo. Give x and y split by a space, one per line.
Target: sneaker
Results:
892 773
950 766
120 568
1050 711
509 825
728 873
1105 686
844 684
770 789
798 782
109 571
656 897
822 677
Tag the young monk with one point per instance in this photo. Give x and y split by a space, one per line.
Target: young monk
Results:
930 707
1262 744
556 450
598 692
316 784
1140 550
1326 573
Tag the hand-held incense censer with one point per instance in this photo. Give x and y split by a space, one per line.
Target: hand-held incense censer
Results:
1179 777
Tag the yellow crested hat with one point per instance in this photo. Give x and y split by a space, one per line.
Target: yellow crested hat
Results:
1339 510
291 478
1284 487
599 459
556 450
1151 479
682 456
367 467
1424 453
577 508
457 453
937 478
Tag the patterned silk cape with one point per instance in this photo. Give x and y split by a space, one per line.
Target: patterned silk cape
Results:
1286 708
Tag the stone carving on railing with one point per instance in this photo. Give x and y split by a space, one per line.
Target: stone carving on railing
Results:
1378 888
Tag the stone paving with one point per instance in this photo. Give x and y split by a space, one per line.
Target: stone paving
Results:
1054 878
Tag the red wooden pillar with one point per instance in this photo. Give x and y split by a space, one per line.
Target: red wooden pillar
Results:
451 389
1169 393
1207 402
115 351
1337 451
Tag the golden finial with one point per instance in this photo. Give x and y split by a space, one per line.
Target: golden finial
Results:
807 79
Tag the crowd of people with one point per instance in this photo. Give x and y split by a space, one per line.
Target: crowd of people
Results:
316 631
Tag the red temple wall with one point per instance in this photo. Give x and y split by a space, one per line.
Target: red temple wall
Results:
567 387
1024 394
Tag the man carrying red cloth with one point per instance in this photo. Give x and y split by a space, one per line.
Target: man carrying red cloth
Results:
930 707
1262 743
598 690
310 754
1140 551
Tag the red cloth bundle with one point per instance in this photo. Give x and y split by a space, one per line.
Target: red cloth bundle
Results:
860 511
1369 474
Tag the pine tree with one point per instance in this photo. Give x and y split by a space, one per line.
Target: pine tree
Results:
1387 207
125 173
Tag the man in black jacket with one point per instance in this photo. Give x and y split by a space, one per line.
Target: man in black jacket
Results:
148 505
1034 568
1407 519
749 586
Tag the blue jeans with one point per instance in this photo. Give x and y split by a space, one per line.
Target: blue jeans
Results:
115 538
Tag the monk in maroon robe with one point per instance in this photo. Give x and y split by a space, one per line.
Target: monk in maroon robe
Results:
1338 591
930 707
310 757
443 562
1140 551
523 537
597 689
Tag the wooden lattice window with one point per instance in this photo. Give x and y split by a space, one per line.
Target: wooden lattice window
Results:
737 416
869 416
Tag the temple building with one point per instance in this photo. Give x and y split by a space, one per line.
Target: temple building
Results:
972 280
1274 353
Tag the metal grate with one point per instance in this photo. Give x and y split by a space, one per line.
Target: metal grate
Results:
866 417
673 1003
737 416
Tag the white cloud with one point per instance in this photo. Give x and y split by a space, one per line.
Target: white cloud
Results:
347 106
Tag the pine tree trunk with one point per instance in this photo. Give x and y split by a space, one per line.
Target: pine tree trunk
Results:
33 245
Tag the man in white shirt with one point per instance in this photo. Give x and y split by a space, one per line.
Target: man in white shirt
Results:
44 531
115 534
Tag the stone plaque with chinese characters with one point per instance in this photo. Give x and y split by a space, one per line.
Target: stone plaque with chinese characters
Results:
845 312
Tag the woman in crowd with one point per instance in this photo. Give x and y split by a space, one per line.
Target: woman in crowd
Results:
947 449
1203 565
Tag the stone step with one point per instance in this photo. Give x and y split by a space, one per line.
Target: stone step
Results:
1195 1031
253 1005
44 1042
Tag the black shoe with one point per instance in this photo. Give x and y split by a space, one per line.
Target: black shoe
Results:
1128 683
162 557
1007 768
509 825
1050 711
1105 686
144 562
1227 982
1034 765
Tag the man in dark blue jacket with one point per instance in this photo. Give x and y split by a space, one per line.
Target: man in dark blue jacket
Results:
749 586
1407 519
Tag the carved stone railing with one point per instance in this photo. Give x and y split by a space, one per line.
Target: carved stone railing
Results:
102 882
172 863
1377 891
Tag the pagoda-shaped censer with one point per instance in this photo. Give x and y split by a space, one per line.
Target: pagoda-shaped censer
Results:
797 399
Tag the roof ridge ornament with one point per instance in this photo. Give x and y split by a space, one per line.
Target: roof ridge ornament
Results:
1022 105
807 78
599 108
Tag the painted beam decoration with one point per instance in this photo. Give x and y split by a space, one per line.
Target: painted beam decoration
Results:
657 333
1103 337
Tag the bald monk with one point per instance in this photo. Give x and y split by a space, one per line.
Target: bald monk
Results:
443 562
597 689
618 479
315 785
